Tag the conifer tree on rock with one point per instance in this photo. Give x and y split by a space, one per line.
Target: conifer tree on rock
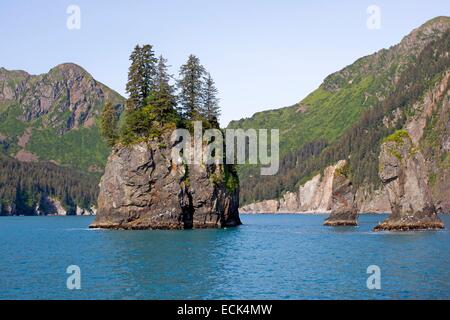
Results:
210 108
141 76
163 97
190 85
108 124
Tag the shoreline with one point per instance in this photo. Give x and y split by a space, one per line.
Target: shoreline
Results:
307 213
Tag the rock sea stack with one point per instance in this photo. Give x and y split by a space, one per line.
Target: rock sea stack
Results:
403 173
344 211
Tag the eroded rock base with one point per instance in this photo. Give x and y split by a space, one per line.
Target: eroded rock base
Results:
410 224
339 223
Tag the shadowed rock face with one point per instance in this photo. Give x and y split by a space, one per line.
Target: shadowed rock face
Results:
143 189
404 174
344 211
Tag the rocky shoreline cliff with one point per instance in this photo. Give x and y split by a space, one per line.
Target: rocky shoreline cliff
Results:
316 196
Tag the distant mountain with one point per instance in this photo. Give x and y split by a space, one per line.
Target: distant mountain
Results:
53 116
348 116
49 124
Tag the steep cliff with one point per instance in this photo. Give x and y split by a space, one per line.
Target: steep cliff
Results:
143 189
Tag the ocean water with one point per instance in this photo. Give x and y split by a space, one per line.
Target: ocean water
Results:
269 257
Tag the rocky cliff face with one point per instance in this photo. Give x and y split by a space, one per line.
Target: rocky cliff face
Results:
316 196
143 189
371 200
403 172
313 196
429 129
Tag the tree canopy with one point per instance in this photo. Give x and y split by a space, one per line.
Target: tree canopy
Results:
157 100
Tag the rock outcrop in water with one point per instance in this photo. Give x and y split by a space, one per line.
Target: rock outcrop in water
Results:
343 208
404 174
143 189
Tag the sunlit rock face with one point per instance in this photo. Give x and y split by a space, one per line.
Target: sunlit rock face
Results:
404 175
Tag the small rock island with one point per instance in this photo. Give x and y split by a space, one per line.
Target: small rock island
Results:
403 173
344 211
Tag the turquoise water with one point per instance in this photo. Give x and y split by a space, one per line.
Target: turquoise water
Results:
269 257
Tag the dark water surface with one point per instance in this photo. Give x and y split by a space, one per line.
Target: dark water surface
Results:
269 257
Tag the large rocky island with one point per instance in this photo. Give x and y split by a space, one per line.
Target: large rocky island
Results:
145 184
143 189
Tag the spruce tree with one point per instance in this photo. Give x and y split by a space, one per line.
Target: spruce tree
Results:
149 62
140 76
133 84
210 108
190 85
163 98
108 124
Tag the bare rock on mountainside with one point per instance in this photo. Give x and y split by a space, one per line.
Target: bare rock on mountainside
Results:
316 196
143 189
403 172
66 97
343 208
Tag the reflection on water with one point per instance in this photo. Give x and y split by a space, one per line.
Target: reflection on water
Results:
269 257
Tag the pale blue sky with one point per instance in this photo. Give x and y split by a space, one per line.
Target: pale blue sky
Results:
262 54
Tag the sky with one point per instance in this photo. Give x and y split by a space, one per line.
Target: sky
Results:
262 54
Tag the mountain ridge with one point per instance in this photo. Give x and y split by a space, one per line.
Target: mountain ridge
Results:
60 107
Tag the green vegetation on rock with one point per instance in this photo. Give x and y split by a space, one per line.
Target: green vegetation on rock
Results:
397 137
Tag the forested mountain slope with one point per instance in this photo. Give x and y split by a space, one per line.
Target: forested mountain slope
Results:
350 113
49 131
